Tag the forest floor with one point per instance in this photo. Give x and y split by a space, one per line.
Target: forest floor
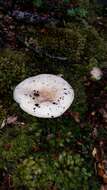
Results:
29 49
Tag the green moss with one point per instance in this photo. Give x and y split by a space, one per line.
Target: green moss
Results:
2 114
77 43
13 69
68 172
63 42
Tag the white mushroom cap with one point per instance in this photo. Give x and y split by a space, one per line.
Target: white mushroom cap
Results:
96 73
44 95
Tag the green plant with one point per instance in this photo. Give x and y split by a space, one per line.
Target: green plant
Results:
13 69
68 172
73 172
38 3
77 12
33 174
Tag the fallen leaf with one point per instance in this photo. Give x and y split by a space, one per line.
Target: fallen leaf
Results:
105 166
76 116
94 152
103 187
105 178
3 124
11 119
100 169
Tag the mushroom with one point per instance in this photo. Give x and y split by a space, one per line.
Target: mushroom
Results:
44 95
96 73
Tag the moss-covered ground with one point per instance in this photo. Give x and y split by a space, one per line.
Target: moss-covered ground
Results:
42 154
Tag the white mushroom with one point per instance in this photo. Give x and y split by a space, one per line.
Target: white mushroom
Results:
96 73
44 95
